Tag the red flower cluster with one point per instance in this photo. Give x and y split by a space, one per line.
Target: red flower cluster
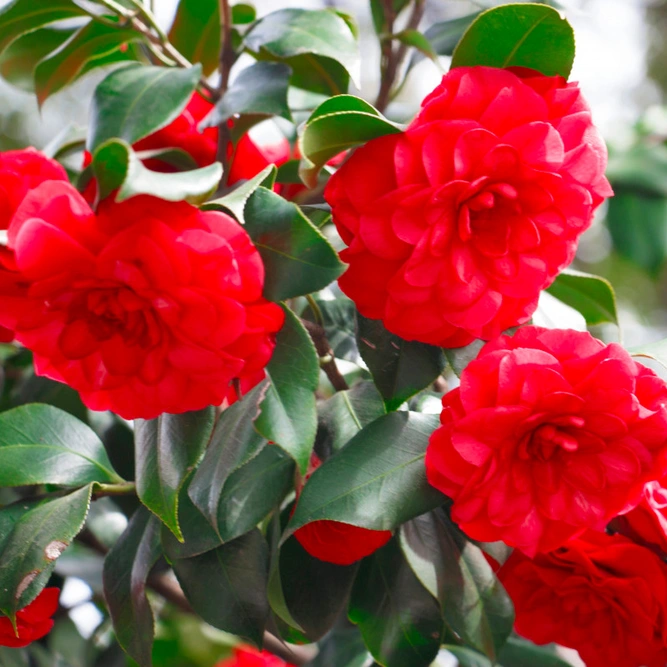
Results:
455 225
550 433
245 656
32 622
145 307
602 595
337 542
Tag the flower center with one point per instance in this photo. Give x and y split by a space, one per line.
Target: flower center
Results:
480 196
548 439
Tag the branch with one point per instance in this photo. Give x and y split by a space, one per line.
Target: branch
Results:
326 355
122 489
227 58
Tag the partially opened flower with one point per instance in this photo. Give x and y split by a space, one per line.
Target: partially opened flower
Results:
550 433
147 307
599 594
32 622
455 226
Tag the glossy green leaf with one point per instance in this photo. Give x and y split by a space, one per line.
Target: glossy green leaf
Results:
227 586
195 32
417 40
134 101
167 450
233 444
379 16
40 444
126 569
315 592
637 223
521 653
288 415
117 167
345 414
86 49
243 13
444 36
338 124
467 657
377 480
591 295
399 619
459 357
23 16
474 603
518 35
19 59
340 325
260 89
315 74
400 368
342 647
293 32
33 542
297 258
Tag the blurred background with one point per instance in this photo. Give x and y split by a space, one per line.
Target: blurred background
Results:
621 65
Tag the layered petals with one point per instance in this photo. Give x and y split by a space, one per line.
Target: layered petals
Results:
32 622
474 209
550 433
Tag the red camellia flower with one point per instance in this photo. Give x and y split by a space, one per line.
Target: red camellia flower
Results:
551 432
602 595
246 656
455 225
32 622
148 307
337 542
20 172
647 523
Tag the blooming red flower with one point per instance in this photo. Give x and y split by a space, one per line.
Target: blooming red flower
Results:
647 523
245 656
455 225
148 307
32 622
551 432
337 542
20 172
600 594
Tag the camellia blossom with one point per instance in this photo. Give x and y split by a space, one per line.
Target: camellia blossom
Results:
647 523
602 595
337 542
32 622
246 656
551 432
147 307
455 226
20 172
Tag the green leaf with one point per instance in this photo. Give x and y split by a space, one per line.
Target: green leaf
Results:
23 16
126 569
297 258
417 40
444 36
260 89
167 450
399 620
518 35
117 167
340 325
38 537
293 32
467 657
13 657
338 124
474 603
233 444
521 653
227 586
135 101
459 357
40 444
19 59
400 368
342 647
378 13
288 415
315 74
591 295
315 592
377 480
235 201
345 414
195 32
642 170
637 223
243 13
83 51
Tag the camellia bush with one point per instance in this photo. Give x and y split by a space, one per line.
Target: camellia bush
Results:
291 390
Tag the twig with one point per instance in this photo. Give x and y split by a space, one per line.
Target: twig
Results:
122 489
392 59
326 355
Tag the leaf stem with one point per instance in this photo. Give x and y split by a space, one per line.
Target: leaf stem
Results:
326 355
120 489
